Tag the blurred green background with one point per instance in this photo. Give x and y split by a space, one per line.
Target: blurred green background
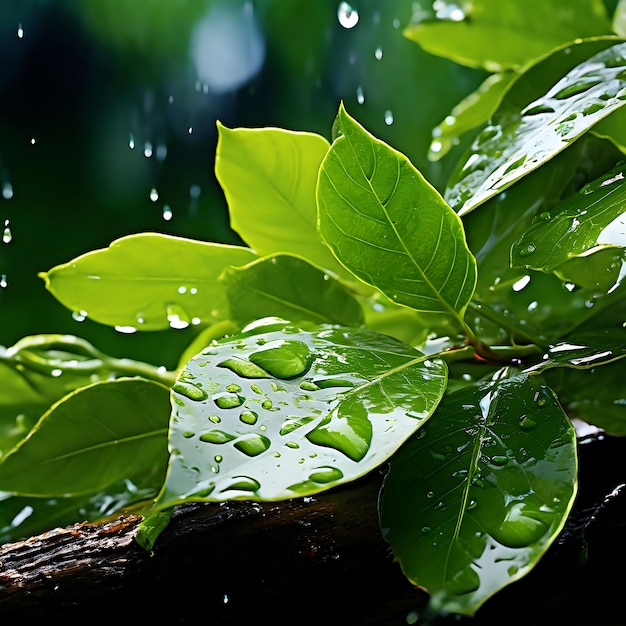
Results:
107 123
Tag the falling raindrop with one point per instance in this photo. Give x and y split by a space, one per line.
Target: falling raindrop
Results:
167 213
7 191
388 118
360 97
347 16
20 31
131 142
3 281
154 194
147 149
33 141
7 235
161 152
378 53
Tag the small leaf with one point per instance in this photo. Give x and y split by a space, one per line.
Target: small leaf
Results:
281 411
268 176
93 437
527 130
587 222
466 31
472 501
584 350
390 227
148 282
289 287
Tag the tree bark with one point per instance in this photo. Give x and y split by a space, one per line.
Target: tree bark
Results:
307 561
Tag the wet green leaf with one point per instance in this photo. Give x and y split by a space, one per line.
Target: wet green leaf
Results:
473 500
268 176
281 411
386 224
584 350
91 438
289 287
147 282
586 223
531 126
474 110
40 369
498 35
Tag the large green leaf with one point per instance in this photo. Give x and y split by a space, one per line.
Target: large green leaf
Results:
281 411
38 370
586 223
148 282
531 125
268 176
499 35
93 437
289 287
390 227
472 502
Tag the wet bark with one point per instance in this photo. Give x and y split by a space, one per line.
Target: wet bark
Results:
306 561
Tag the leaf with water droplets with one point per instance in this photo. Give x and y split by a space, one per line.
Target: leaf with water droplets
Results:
531 125
91 438
390 227
334 403
584 350
289 287
466 31
592 222
474 499
148 282
268 176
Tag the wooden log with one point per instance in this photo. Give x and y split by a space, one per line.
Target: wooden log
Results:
307 561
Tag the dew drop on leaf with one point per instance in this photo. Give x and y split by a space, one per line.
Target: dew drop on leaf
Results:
190 391
283 358
252 444
527 250
228 400
325 475
245 369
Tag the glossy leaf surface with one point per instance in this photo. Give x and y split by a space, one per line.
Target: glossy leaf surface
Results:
92 438
147 282
38 370
289 287
587 222
389 227
477 496
281 411
531 127
498 35
268 176
585 350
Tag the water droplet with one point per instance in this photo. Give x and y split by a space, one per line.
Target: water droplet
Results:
131 142
309 386
177 317
283 358
126 330
233 388
55 373
252 444
360 97
248 417
594 107
267 404
537 109
20 31
430 494
7 191
324 475
154 194
147 149
244 483
292 444
388 118
523 525
294 424
521 283
228 400
378 53
527 250
347 16
526 423
448 11
499 460
167 213
7 235
216 436
426 529
245 369
79 316
190 391
3 281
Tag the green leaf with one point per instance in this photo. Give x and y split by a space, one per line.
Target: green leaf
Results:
472 502
587 222
268 176
93 437
499 35
40 369
147 282
289 287
281 411
471 112
584 350
531 126
390 227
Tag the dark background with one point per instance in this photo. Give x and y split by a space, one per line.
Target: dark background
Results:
83 81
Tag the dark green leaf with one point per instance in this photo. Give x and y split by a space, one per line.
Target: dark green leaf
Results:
472 502
289 287
389 227
148 282
281 411
531 126
93 437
